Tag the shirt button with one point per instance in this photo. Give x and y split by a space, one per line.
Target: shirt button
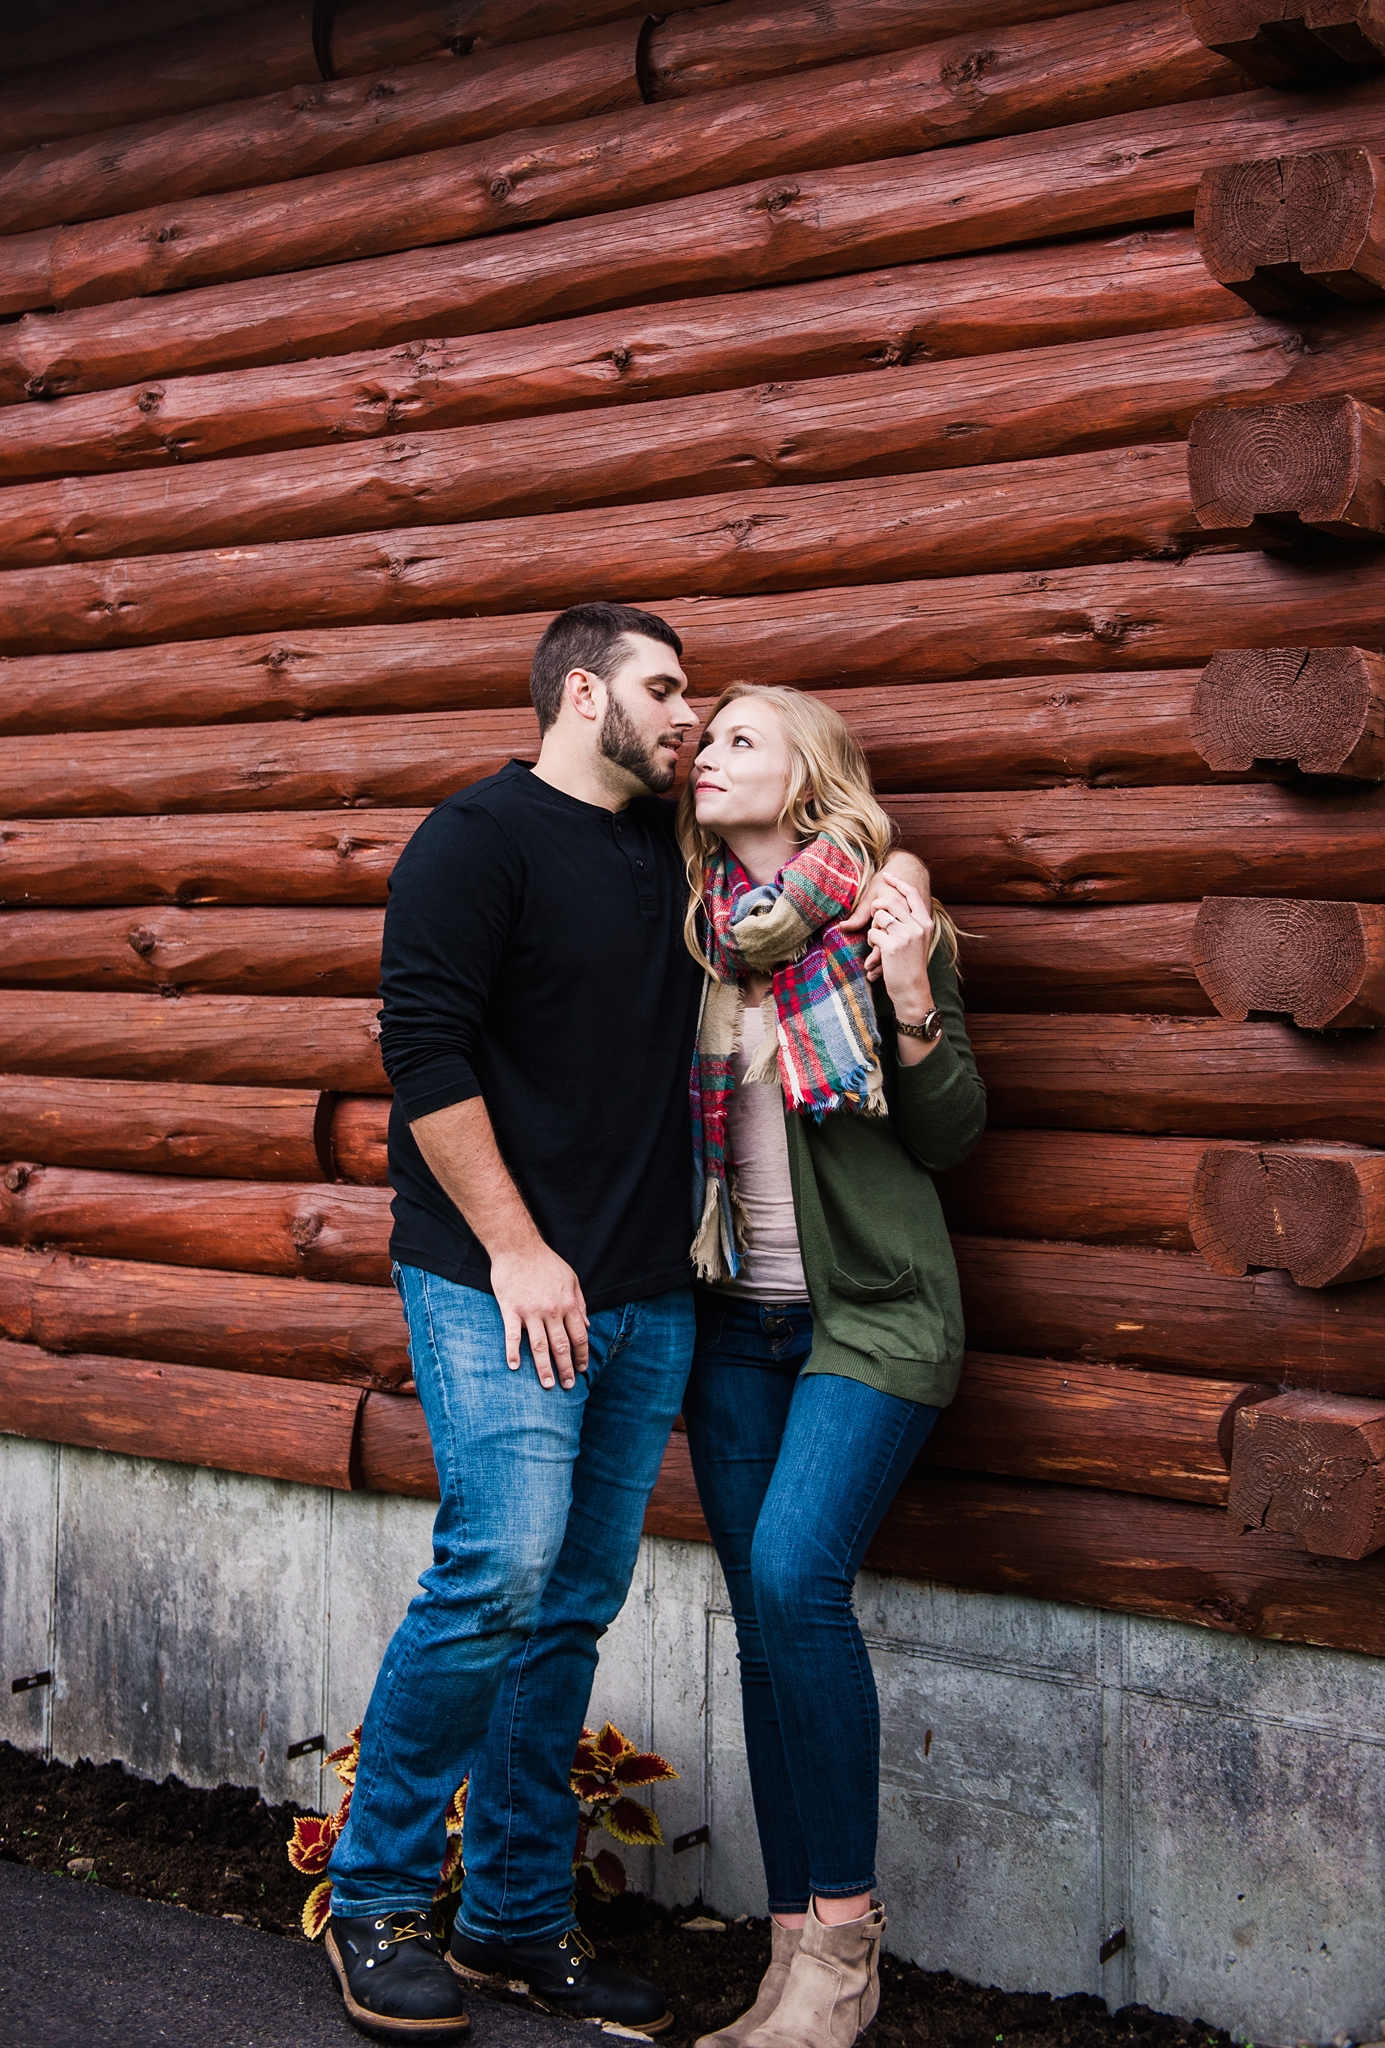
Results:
639 863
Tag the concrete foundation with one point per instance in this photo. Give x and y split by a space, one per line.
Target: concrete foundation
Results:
1051 1774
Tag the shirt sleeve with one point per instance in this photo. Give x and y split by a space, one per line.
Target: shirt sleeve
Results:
941 1102
453 899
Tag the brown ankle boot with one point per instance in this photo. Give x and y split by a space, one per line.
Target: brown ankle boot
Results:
783 1950
833 1991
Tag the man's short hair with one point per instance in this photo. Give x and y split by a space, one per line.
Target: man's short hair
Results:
588 636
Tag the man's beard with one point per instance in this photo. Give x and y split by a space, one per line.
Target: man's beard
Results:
621 743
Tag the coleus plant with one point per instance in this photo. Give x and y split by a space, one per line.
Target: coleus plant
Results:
605 1769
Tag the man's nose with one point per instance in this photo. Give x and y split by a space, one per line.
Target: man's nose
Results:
684 717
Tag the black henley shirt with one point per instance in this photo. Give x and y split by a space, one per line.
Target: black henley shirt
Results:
533 955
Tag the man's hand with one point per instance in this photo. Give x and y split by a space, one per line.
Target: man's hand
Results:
901 867
539 1297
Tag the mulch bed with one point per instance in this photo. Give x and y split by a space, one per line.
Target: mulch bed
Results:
222 1853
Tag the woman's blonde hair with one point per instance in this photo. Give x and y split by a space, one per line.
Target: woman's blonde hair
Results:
829 791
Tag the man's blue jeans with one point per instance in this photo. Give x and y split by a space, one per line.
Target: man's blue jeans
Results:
795 1476
490 1672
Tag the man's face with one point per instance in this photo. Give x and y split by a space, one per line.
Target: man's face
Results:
646 716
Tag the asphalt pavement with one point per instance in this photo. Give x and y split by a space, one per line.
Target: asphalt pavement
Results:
83 1967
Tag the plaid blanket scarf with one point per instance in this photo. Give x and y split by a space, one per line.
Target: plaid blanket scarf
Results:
820 1029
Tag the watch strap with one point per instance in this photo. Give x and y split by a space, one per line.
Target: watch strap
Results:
930 1029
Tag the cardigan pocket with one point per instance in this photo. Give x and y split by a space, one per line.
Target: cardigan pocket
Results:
900 1286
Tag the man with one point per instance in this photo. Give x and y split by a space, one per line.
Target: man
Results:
539 1006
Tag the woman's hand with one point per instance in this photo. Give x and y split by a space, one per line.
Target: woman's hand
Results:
901 929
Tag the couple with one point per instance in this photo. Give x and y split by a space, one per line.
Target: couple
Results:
562 950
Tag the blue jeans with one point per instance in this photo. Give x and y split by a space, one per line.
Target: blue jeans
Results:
795 1476
490 1672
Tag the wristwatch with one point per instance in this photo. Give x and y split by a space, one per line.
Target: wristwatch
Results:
931 1027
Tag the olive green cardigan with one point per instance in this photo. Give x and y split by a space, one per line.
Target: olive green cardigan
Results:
881 1277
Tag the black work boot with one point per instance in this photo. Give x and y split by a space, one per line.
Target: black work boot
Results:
562 1976
394 1977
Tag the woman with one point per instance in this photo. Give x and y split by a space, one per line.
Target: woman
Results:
829 1324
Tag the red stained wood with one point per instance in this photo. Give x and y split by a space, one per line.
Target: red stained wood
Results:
309 1232
1147 845
1320 465
1040 402
1094 507
155 1127
1320 707
190 1415
1124 1306
298 858
298 952
227 1041
1310 1466
1091 1425
1067 622
1321 43
1084 1186
879 320
1047 75
359 1134
318 126
244 1322
1324 963
1181 1076
1091 178
1026 958
1319 1215
395 1453
1278 230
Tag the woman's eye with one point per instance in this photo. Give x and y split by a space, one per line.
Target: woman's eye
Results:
740 740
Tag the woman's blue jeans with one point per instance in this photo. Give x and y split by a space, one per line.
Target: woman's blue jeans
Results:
490 1672
795 1476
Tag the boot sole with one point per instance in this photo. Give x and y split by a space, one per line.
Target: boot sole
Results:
381 2024
519 1989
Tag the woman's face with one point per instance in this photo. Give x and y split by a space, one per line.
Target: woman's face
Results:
740 776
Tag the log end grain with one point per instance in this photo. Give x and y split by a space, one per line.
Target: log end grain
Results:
1318 1215
1324 963
1320 465
1309 1466
1282 230
394 1452
1322 708
360 1140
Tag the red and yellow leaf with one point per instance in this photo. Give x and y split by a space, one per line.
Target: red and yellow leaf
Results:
450 1879
456 1809
643 1767
610 1743
630 1822
345 1759
609 1871
318 1909
588 1785
311 1844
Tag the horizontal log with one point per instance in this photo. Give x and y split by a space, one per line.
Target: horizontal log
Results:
1174 1559
1013 732
187 1414
319 126
177 951
396 1455
1317 1215
1312 1466
357 1138
1039 402
1122 1306
879 320
312 1232
1279 230
1096 507
1145 845
298 858
1037 959
160 1127
1322 708
1091 1425
1091 178
1181 1075
1323 42
262 50
1046 75
1087 1187
1324 963
1068 622
1320 465
96 24
226 1041
243 1322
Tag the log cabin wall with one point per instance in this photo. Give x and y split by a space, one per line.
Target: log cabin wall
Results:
968 376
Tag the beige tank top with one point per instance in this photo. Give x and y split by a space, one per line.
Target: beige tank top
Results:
772 1265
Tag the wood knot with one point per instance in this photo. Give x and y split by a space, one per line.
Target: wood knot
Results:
142 941
500 188
778 201
17 1177
620 359
968 70
305 1231
150 399
37 386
